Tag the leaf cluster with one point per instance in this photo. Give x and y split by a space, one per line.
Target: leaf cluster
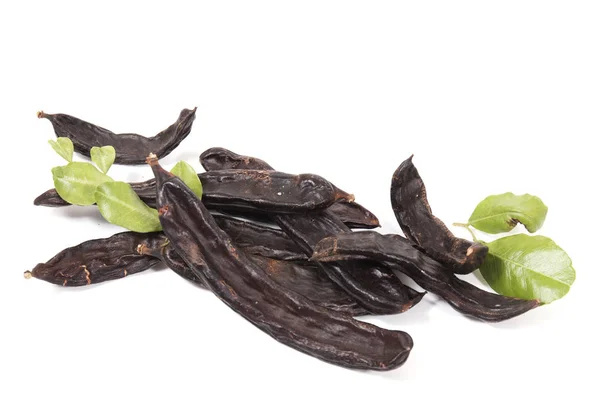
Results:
521 265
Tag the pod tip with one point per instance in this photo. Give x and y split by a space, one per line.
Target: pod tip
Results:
40 114
27 274
152 159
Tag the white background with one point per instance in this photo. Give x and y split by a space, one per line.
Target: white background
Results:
489 96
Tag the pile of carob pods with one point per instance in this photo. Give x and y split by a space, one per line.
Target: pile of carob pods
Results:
279 249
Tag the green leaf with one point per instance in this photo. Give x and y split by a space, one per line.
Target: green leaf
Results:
76 182
64 147
103 157
186 173
120 205
500 213
528 267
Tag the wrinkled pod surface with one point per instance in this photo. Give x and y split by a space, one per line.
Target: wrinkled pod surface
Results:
410 205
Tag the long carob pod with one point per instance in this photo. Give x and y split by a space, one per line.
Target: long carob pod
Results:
131 148
247 289
269 191
410 205
127 253
245 190
302 278
374 286
399 253
99 260
351 213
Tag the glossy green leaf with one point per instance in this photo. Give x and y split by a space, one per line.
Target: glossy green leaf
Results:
76 182
103 157
187 174
528 267
64 147
120 205
500 213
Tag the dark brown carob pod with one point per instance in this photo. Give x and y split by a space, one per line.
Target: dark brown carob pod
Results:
351 213
245 191
398 253
131 148
268 191
375 287
235 279
409 201
99 260
303 278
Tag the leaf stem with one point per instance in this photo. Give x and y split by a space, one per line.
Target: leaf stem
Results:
467 227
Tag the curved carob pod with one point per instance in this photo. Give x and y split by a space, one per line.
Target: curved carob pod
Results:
99 260
303 278
374 287
268 191
244 190
410 205
118 256
351 213
115 257
398 253
235 279
131 148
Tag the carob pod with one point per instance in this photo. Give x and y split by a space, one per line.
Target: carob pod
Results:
131 148
268 191
245 190
351 213
115 257
303 278
373 286
410 205
399 253
99 260
118 256
247 289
